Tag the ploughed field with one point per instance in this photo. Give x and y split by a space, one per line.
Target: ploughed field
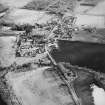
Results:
82 54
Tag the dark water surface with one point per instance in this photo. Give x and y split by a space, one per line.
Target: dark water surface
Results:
83 54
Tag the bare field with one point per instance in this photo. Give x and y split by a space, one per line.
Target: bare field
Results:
39 87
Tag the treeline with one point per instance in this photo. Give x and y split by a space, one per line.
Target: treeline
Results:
23 27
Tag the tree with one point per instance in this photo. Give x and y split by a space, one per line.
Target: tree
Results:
62 6
28 29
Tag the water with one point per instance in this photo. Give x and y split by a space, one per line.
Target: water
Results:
83 54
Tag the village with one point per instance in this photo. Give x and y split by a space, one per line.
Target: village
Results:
52 52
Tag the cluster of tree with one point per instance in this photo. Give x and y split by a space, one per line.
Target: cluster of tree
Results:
37 4
22 27
62 6
55 6
25 27
3 23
